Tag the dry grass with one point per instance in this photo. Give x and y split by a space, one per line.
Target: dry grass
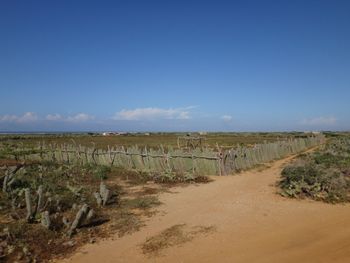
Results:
124 222
173 236
141 202
153 141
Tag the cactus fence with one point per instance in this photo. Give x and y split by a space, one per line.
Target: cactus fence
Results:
198 161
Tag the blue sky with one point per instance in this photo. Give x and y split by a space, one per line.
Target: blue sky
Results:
174 65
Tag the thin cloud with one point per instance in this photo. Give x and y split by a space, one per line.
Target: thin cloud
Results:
28 117
226 118
319 121
153 114
8 118
25 118
33 117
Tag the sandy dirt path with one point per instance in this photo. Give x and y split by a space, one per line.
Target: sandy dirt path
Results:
253 224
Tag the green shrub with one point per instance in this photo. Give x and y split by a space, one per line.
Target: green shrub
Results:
322 175
101 172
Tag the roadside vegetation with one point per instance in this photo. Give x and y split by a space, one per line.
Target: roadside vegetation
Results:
49 209
323 175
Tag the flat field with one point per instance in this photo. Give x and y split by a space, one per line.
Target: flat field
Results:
153 140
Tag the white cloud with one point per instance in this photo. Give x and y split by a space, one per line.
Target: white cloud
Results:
8 118
33 117
26 117
319 121
226 118
53 117
153 114
80 117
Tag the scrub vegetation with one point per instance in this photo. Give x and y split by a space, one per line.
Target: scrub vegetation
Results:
322 175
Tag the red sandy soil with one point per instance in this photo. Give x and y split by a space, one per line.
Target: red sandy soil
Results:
253 224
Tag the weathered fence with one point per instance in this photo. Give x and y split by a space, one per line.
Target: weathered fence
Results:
199 161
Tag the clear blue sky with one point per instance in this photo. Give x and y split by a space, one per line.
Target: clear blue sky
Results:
174 65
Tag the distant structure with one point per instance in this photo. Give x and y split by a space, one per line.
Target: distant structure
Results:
313 132
111 133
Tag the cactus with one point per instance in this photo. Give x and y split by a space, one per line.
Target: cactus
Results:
80 217
90 215
45 219
98 198
40 199
29 216
9 178
103 196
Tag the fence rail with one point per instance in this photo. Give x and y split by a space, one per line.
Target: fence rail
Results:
199 161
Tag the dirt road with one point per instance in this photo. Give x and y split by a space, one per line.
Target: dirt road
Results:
252 224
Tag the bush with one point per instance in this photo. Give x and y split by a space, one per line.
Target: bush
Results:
101 171
321 176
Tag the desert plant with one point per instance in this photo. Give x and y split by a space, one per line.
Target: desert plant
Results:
321 175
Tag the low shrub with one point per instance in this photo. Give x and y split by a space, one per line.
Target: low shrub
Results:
323 175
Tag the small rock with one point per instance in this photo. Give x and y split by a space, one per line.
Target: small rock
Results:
92 240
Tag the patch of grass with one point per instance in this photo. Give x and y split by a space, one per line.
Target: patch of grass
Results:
144 202
125 222
98 172
149 191
135 177
170 177
173 236
132 177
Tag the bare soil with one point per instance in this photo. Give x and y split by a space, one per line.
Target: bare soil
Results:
252 223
